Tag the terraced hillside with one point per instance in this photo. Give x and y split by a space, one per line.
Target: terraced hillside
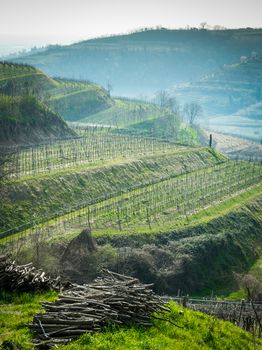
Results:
125 112
24 119
49 191
71 99
74 100
131 191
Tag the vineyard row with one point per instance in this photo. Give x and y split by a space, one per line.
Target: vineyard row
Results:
94 147
185 194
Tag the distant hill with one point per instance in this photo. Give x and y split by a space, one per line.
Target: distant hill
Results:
146 61
27 121
231 89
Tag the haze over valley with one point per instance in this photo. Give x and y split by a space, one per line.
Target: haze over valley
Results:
131 175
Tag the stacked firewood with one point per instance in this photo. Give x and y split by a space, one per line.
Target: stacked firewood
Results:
25 278
88 308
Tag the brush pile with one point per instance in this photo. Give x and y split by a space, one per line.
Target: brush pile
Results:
26 278
88 308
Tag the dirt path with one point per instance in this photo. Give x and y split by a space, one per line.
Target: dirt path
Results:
235 147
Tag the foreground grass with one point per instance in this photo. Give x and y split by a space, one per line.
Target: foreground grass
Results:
198 331
16 311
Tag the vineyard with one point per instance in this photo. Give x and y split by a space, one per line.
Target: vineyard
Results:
184 195
96 145
246 315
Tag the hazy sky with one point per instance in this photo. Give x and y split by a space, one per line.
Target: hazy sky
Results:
29 22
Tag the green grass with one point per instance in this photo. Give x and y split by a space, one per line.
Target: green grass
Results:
125 112
198 331
24 119
17 310
169 223
45 195
71 99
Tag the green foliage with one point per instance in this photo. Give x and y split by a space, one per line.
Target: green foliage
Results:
198 331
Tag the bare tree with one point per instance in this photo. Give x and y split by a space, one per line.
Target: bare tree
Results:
161 98
109 88
192 111
166 100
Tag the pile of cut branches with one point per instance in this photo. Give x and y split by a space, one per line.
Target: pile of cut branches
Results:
88 308
26 278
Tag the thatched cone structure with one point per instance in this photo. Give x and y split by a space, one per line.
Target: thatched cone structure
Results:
76 254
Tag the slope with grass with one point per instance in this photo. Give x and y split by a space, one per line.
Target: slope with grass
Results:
46 195
169 127
125 112
197 254
25 120
75 100
195 330
71 99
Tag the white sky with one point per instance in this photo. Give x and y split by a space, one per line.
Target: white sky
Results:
36 22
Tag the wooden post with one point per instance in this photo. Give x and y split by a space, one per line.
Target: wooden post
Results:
184 301
210 140
118 219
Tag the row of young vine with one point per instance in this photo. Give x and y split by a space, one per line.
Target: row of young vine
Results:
96 146
185 194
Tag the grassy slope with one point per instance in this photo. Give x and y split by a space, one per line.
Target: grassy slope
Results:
125 112
197 254
71 99
199 331
78 100
167 127
26 120
18 80
46 194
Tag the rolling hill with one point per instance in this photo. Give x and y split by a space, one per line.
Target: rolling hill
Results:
233 89
149 60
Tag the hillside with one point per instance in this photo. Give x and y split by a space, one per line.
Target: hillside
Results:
228 90
51 194
169 127
125 112
25 120
146 61
165 200
71 99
